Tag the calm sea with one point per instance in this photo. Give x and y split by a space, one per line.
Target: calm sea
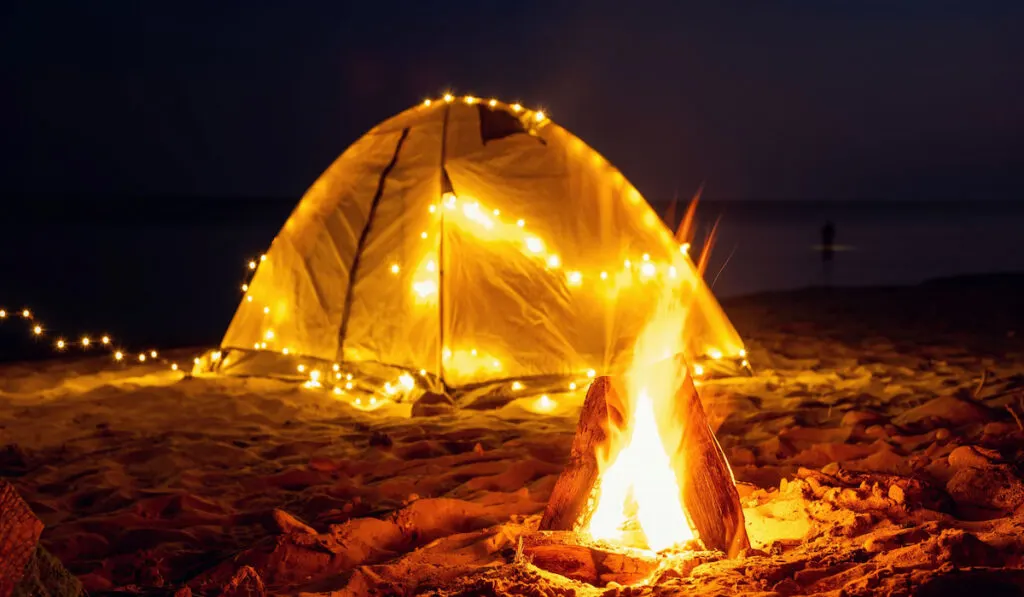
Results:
166 272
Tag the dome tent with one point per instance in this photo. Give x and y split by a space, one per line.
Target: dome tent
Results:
464 243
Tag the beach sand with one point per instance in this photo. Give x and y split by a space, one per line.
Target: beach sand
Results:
876 447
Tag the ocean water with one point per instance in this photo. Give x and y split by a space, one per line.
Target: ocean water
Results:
167 271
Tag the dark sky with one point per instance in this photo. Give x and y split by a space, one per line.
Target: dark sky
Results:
815 99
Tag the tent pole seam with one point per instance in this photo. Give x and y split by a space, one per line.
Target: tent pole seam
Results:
353 272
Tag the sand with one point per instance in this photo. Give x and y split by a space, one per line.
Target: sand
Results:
876 449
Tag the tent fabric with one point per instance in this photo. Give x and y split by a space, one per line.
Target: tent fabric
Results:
472 242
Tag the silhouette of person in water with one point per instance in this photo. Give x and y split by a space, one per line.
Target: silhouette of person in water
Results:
828 238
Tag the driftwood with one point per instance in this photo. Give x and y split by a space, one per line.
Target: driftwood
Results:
707 487
19 533
602 410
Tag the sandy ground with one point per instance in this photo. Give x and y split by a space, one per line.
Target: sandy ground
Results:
877 449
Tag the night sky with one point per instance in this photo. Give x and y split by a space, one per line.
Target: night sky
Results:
815 100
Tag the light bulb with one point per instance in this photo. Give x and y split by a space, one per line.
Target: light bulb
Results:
252 265
301 368
534 244
426 102
142 358
516 386
26 314
591 373
539 116
174 366
648 269
118 355
469 99
269 335
423 235
152 354
37 330
105 339
575 278
448 97
520 223
604 275
554 261
263 258
395 268
572 386
492 103
516 107
266 310
86 341
646 257
3 314
60 344
245 287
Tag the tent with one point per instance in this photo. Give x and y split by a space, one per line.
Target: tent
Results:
466 243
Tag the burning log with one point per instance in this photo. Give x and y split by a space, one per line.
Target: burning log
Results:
708 488
602 409
563 553
708 492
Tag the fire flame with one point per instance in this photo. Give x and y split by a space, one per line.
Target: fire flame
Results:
638 484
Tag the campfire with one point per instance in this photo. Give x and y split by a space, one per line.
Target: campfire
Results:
647 484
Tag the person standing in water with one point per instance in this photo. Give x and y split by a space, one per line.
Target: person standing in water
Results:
828 238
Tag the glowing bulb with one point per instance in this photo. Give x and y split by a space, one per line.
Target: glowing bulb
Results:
263 258
575 278
174 366
572 386
348 385
337 376
671 271
37 330
432 208
142 358
423 235
152 354
263 345
86 341
627 264
423 372
335 367
473 352
492 103
646 257
554 261
496 364
516 386
446 354
395 268
426 102
373 400
26 314
105 340
698 370
604 275
195 361
516 107
431 266
407 381
743 352
496 212
269 335
715 353
390 389
520 222
469 99
3 314
337 390
216 356
118 355
60 344
245 287
314 375
348 376
301 368
252 265
539 116
424 288
684 248
534 244
647 269
448 97
248 298
285 350
545 403
591 373
359 401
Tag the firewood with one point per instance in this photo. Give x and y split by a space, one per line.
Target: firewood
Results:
708 491
19 533
707 486
563 553
602 410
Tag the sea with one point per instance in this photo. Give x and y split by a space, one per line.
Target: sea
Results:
167 271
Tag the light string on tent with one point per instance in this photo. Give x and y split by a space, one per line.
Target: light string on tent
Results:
486 224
